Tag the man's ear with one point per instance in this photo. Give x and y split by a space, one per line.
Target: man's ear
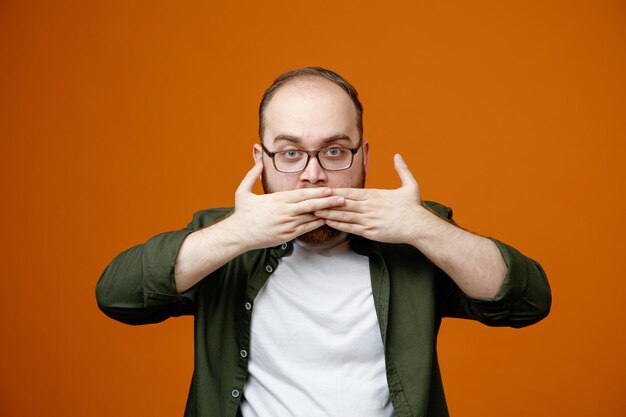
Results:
257 153
365 148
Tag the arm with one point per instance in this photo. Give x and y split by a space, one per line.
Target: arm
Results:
137 287
398 216
474 263
523 299
259 221
153 281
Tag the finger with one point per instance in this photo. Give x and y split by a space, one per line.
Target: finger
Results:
358 194
348 206
310 226
309 206
302 194
340 216
251 178
303 219
407 178
351 228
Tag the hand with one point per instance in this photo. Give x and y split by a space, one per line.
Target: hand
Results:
380 215
270 219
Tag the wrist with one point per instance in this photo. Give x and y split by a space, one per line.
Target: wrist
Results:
429 227
231 235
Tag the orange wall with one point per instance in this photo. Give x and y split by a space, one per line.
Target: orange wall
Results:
118 120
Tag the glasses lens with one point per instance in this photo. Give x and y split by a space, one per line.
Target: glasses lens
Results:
290 161
335 158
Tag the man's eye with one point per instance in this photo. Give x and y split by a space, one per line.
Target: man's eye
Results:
292 154
334 152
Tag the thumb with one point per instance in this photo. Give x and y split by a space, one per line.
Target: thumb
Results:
251 178
407 178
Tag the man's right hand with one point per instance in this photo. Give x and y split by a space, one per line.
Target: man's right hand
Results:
259 221
270 219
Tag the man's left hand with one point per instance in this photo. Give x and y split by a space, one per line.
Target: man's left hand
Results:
380 215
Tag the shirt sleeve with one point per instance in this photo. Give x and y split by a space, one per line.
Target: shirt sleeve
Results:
138 286
524 297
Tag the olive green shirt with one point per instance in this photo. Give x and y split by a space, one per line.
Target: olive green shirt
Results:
411 296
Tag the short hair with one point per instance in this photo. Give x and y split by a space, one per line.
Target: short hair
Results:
309 72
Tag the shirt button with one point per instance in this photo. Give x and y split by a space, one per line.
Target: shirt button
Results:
235 393
243 353
268 268
283 246
248 306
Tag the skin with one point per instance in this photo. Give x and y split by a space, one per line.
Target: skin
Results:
316 204
309 114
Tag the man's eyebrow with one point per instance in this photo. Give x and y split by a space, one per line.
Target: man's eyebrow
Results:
288 138
295 139
337 137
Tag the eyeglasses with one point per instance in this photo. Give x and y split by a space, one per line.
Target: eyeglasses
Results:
296 160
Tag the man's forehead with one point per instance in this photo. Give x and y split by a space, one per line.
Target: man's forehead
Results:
312 110
309 98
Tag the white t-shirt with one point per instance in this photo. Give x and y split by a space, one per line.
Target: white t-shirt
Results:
316 348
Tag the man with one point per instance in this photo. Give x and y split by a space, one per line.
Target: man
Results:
320 297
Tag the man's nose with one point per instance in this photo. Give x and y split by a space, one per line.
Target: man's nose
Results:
313 172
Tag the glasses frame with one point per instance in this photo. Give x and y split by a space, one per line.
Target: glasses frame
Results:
315 153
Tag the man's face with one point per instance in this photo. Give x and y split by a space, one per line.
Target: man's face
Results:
311 114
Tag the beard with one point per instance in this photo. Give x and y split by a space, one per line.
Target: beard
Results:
323 233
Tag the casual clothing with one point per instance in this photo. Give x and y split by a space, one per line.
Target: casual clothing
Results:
411 296
315 346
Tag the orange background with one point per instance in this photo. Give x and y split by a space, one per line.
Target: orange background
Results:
120 119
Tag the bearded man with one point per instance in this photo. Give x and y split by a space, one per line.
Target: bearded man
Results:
320 297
